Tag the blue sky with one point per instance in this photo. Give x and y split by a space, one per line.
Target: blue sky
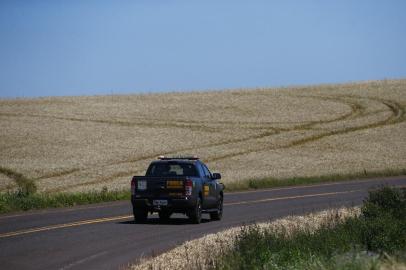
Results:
74 47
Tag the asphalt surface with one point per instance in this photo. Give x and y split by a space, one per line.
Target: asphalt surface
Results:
104 236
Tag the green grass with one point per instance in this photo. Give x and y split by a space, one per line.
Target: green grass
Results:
362 242
14 202
26 198
270 182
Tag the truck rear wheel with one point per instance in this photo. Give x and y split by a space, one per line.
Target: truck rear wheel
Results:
219 213
140 215
196 214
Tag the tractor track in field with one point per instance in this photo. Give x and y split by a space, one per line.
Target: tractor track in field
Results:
397 116
357 110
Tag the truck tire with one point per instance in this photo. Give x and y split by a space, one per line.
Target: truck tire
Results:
219 213
140 215
196 213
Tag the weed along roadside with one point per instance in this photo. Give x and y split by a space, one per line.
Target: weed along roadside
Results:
25 197
375 237
370 237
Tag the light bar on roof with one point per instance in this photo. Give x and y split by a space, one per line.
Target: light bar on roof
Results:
179 157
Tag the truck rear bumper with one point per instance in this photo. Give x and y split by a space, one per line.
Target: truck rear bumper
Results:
176 205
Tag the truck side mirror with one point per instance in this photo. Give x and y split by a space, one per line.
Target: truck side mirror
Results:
216 176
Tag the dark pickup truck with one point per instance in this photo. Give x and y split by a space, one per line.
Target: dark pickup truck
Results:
177 185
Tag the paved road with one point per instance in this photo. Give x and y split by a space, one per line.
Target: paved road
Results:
103 236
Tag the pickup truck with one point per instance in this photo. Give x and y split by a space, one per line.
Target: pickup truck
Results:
177 185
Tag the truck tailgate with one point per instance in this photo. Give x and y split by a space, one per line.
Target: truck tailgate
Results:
160 187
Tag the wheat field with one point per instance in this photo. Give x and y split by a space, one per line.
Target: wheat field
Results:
90 142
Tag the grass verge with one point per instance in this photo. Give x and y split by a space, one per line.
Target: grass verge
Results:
375 238
26 197
262 183
14 202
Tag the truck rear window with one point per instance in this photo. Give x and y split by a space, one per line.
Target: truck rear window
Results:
171 169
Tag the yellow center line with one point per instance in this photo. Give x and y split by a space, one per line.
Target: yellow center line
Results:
60 210
293 197
66 225
100 220
302 196
86 207
350 182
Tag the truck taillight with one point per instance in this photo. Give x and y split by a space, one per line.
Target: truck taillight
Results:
133 186
188 187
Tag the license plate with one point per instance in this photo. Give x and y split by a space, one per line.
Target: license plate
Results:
160 202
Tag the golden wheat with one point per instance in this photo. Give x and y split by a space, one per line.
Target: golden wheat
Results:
85 143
